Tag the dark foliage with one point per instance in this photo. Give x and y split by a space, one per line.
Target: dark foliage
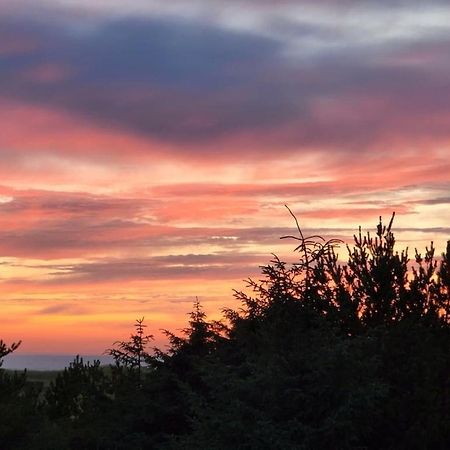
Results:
132 354
321 355
18 404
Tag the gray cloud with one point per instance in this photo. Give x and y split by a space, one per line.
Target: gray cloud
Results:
63 308
195 82
433 201
171 267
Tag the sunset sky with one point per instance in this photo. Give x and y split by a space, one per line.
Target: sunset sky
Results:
147 149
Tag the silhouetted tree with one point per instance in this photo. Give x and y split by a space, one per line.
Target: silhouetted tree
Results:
324 355
78 391
133 354
18 404
6 350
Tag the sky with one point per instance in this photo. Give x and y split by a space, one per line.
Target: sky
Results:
147 150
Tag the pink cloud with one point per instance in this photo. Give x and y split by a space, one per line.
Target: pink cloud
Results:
204 209
28 128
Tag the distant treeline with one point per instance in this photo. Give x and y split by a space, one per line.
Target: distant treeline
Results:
322 355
